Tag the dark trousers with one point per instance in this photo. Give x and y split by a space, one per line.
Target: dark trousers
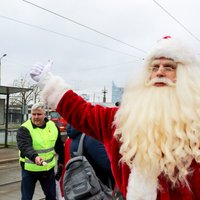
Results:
47 182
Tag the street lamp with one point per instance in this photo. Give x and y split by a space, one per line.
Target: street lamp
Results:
0 65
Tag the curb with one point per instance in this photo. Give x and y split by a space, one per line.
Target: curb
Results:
8 160
9 183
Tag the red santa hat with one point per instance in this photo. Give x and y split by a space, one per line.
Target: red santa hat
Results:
172 48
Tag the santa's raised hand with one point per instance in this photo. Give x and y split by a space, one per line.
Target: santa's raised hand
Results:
52 87
40 70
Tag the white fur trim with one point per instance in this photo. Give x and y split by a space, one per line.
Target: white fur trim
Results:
174 49
53 88
141 187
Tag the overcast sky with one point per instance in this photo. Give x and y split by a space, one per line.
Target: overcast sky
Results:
92 42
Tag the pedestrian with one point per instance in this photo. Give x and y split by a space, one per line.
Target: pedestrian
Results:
153 137
95 153
38 140
117 103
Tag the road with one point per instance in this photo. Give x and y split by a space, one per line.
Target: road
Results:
10 182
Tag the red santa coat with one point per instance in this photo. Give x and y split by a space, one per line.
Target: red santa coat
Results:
97 121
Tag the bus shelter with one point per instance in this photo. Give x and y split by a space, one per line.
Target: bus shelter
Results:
7 91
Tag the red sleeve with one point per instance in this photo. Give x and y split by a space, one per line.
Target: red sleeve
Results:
94 120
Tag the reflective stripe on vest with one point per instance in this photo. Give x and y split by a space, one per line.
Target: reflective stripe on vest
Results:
43 142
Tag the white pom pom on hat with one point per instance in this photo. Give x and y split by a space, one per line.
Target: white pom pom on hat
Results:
172 48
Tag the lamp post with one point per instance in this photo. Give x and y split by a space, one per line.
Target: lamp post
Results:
0 65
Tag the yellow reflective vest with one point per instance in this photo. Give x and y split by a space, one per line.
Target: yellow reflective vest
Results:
43 142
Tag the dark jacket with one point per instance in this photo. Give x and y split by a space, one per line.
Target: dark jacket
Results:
24 142
96 154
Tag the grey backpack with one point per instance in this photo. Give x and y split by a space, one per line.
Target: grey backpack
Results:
80 181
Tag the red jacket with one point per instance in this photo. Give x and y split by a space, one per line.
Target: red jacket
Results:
97 121
66 159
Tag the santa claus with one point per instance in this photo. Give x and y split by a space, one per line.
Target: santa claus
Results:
153 138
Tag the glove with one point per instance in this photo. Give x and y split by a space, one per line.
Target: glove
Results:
38 71
58 173
52 87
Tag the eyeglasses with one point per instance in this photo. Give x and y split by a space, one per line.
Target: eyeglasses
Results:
166 69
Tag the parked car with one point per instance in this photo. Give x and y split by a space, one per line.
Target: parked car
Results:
58 120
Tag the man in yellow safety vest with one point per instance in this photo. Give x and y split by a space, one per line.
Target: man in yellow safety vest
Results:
38 141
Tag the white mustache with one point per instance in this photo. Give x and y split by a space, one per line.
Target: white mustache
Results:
167 81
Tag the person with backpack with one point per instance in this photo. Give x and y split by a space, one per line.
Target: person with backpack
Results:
84 170
95 153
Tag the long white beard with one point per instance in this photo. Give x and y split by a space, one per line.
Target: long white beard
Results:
157 136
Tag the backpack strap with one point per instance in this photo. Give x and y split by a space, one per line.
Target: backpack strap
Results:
80 146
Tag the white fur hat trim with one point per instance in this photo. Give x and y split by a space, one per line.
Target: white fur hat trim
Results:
174 49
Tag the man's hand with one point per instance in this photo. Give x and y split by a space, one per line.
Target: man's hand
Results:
39 161
39 70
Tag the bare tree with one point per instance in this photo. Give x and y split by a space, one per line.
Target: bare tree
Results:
23 99
35 93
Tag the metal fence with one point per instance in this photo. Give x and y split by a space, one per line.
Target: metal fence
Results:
11 137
